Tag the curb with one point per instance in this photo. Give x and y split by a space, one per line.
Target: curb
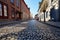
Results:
8 23
51 25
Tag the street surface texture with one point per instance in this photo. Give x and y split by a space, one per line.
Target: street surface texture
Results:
39 31
10 32
34 30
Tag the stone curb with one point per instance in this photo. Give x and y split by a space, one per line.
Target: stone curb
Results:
7 23
51 25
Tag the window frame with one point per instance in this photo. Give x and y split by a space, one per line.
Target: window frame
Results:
12 12
17 3
5 10
47 14
12 1
1 10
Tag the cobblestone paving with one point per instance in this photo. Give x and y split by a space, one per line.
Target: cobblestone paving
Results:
34 31
38 31
10 32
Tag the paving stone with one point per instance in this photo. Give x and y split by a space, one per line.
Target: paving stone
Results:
36 31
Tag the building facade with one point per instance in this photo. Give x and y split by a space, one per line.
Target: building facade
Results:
12 9
54 10
49 10
25 11
42 10
36 17
9 9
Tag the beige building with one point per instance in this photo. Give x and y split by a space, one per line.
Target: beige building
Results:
42 10
45 10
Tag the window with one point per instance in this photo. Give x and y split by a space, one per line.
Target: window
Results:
12 1
46 14
5 10
12 11
17 2
42 16
17 15
0 9
5 0
51 0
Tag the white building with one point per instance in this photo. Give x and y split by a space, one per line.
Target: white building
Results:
48 6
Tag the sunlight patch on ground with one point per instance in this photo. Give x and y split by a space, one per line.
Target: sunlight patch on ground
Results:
12 29
24 22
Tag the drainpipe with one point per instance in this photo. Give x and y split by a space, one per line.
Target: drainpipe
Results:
44 15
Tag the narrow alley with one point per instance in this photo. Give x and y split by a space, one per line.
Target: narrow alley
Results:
29 19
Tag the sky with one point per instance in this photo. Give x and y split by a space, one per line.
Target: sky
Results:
33 5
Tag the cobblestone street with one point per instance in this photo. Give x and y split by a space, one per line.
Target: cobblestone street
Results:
29 19
34 30
39 31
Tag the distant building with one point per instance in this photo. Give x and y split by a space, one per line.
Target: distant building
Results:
31 16
36 17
